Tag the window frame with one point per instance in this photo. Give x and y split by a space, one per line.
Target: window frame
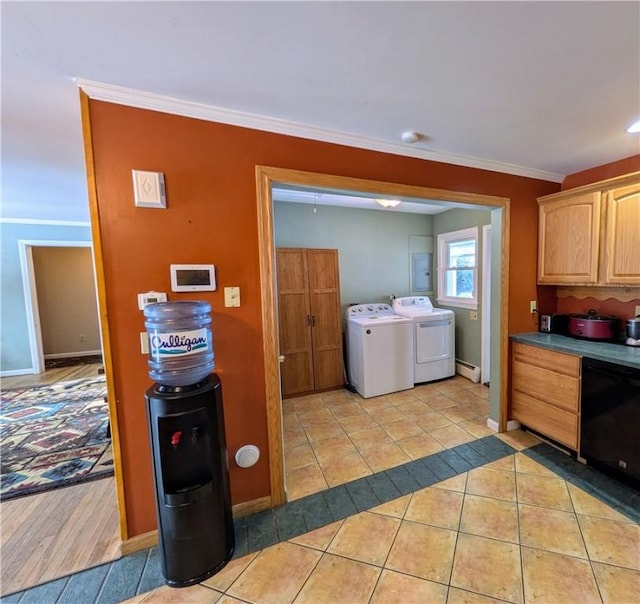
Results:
444 240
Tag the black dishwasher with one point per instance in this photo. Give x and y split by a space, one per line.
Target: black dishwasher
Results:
610 419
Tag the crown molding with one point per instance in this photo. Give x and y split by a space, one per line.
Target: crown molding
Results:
155 102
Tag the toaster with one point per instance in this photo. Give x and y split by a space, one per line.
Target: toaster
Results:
554 323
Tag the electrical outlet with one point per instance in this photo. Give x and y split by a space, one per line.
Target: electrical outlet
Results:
144 342
473 315
637 311
533 306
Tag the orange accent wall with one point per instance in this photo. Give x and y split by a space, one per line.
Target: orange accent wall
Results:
211 217
611 170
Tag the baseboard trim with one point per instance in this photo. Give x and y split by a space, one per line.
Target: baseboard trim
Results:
71 355
250 507
512 424
12 372
139 542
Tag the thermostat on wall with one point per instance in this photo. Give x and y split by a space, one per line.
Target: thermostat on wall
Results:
193 277
150 298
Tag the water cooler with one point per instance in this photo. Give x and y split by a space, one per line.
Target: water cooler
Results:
188 445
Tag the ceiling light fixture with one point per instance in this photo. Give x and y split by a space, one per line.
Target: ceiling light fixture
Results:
634 128
410 137
388 203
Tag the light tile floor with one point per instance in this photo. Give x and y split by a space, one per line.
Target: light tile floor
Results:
337 437
509 531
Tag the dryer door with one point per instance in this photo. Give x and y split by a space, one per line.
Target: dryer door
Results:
434 340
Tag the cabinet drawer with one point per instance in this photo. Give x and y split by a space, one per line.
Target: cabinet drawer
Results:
548 386
547 359
557 424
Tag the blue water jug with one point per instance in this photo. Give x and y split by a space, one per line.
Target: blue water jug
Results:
180 342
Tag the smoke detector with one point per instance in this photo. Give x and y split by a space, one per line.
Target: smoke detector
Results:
410 137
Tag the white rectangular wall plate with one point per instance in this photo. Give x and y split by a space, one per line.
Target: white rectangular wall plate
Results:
144 342
193 278
148 189
150 298
231 296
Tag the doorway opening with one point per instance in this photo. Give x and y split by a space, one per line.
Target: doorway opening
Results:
268 177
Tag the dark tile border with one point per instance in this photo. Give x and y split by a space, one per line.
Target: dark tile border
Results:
619 496
140 572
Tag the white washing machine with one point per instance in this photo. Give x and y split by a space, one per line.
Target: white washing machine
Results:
380 351
433 337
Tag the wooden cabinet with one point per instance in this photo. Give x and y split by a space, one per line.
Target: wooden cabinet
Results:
591 235
569 238
545 392
622 236
310 321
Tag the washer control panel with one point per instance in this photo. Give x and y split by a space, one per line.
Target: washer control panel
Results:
369 310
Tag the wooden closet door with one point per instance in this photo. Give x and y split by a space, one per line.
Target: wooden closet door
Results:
324 290
296 371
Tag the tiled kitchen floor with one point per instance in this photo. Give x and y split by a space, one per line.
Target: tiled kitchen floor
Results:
336 437
509 531
513 523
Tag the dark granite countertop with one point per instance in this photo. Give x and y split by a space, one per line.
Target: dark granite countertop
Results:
602 351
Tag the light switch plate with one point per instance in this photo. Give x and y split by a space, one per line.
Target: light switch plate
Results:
637 311
231 296
144 342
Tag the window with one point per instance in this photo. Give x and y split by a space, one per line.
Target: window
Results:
457 268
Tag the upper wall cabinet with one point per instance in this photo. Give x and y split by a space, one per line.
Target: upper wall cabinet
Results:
622 236
591 235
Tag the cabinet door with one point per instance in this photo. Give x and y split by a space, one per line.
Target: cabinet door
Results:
568 240
324 290
296 371
622 237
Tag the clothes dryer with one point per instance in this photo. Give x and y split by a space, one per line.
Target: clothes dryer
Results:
433 338
380 350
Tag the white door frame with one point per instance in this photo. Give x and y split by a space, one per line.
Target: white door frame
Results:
25 250
485 337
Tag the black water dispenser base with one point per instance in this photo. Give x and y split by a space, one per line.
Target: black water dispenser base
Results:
191 475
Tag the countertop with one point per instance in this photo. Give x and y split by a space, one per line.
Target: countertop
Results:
602 351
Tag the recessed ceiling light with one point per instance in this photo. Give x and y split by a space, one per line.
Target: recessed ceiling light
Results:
388 203
635 127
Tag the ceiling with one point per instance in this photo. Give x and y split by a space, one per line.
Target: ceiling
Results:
362 201
542 89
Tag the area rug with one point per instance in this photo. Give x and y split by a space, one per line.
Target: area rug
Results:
53 436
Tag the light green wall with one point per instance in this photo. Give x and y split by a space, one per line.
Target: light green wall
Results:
468 332
373 245
15 354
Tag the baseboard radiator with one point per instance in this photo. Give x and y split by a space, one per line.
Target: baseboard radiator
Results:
471 372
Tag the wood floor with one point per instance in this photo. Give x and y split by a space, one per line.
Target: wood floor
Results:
53 534
61 374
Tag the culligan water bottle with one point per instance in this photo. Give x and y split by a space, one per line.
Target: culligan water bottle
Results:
180 342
